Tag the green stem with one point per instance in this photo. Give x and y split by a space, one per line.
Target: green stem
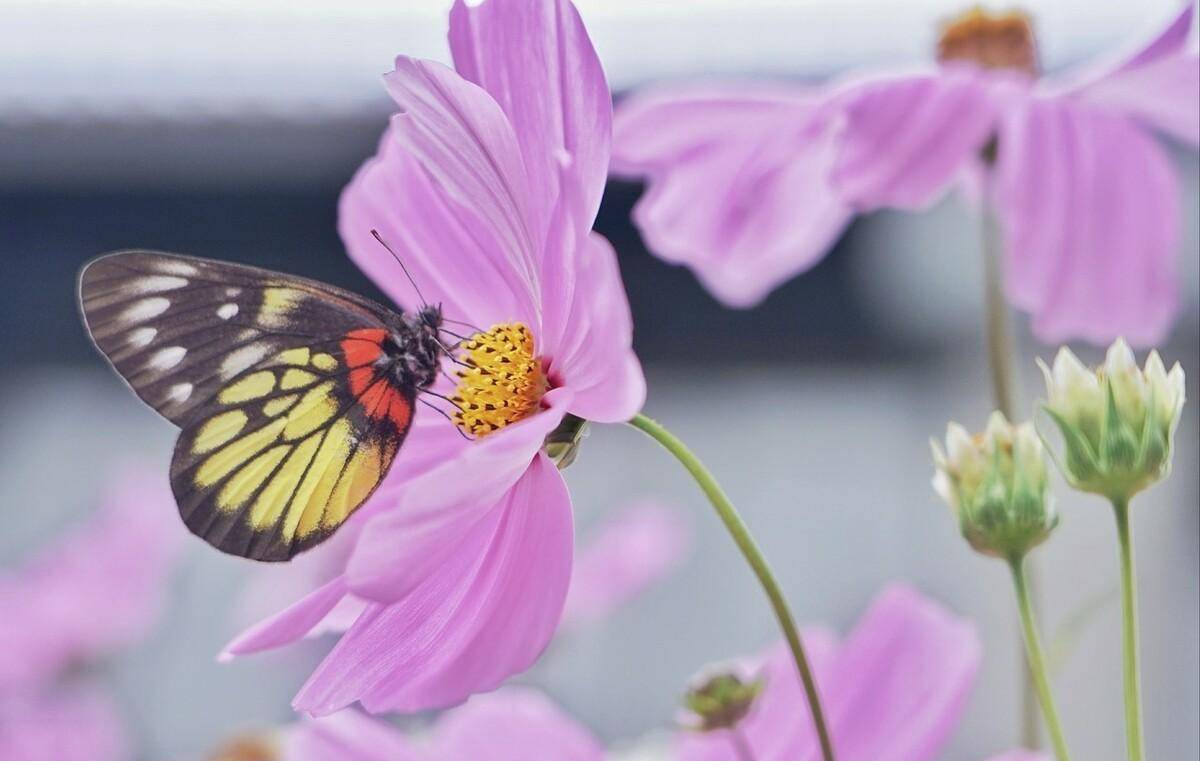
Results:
1037 661
1132 671
1001 352
754 557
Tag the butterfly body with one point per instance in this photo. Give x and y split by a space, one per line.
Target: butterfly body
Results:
293 397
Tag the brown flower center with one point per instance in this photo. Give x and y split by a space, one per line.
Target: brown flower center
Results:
991 40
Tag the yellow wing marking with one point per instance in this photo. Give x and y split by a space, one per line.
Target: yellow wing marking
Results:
293 379
279 405
217 430
324 362
297 356
268 507
362 474
251 387
277 302
242 485
308 505
311 412
229 458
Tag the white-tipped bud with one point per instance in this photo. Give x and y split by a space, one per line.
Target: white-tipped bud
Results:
1117 422
996 484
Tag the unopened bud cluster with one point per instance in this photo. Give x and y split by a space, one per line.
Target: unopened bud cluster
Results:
1117 421
996 484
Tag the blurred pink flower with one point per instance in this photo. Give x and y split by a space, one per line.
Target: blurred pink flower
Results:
894 689
94 590
487 183
629 552
751 185
67 724
513 724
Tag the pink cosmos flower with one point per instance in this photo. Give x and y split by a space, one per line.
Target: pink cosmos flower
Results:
513 724
67 724
487 183
750 185
92 591
893 689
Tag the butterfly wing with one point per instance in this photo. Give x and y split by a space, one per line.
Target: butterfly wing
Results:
288 424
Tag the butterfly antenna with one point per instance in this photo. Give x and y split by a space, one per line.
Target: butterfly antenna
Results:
472 326
407 274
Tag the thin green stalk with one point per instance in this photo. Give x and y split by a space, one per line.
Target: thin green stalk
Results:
754 557
1001 353
1129 615
1037 661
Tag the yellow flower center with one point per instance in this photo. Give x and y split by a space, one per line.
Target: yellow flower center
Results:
502 382
992 40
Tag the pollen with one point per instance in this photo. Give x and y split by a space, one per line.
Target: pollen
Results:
502 381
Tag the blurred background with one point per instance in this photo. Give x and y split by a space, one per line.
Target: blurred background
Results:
228 129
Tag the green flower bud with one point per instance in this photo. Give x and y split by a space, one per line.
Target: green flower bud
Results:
721 701
1117 422
996 484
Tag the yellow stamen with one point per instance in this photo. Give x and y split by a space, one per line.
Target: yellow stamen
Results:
992 40
503 381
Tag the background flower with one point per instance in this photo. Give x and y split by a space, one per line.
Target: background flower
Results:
893 689
1087 200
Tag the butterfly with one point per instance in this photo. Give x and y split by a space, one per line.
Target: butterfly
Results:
292 396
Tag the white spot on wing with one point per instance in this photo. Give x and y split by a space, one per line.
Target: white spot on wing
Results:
145 309
180 392
232 292
240 359
176 267
226 311
165 359
142 336
157 283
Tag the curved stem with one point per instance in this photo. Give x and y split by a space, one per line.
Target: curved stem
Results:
1001 351
1132 671
1037 661
754 557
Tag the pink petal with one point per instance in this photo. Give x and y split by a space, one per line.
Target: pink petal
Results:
536 60
906 139
1164 95
484 616
348 736
1021 755
289 625
464 141
69 724
628 553
429 515
455 258
1158 82
513 725
737 183
902 679
1090 210
595 357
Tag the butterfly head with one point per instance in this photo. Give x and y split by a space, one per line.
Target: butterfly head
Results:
415 348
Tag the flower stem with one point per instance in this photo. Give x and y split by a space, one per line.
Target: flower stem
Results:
1132 671
1037 661
1001 351
754 557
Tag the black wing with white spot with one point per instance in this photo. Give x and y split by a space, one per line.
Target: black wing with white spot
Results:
179 328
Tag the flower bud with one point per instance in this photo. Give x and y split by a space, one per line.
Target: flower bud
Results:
996 484
722 700
1117 422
